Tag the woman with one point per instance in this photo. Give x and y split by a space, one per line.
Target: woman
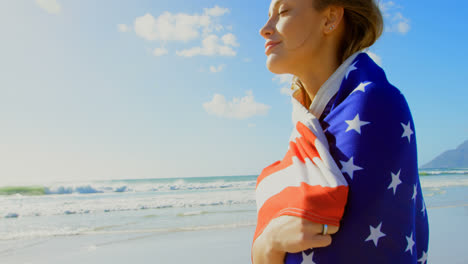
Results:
369 133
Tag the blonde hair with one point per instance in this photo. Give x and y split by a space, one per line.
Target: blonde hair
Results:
363 26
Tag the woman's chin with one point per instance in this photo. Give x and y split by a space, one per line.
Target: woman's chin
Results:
275 64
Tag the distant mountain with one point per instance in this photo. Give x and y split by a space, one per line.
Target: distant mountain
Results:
455 158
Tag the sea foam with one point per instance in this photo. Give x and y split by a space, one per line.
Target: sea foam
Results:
143 186
107 203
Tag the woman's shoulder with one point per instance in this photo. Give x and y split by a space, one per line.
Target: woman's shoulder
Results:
365 86
366 94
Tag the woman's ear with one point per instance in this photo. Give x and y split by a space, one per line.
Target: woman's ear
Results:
334 16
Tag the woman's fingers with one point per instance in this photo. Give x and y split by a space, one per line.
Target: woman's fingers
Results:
312 227
312 241
332 229
318 241
294 234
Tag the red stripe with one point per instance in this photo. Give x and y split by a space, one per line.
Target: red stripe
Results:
279 165
305 132
324 205
303 148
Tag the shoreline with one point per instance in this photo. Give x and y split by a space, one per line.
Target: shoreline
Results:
227 246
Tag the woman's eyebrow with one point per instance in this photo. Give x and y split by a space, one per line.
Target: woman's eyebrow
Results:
274 6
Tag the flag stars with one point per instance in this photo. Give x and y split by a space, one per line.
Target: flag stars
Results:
423 210
375 234
356 124
407 132
350 69
349 167
415 192
423 258
395 181
410 245
361 87
307 259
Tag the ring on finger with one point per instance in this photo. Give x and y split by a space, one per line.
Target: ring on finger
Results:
324 229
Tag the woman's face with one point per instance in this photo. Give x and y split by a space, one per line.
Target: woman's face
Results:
293 34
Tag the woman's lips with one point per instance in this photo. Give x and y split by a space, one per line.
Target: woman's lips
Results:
270 46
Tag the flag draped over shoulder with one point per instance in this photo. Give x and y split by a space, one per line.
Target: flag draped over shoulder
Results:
307 182
369 133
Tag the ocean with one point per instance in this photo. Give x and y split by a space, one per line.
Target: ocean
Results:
30 215
127 206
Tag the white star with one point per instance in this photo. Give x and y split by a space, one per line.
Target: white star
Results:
415 192
410 245
361 87
423 259
407 131
355 124
375 234
305 258
395 181
350 69
423 210
349 167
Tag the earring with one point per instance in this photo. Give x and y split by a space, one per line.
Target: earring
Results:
331 27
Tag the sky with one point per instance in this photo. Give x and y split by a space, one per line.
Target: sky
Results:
99 90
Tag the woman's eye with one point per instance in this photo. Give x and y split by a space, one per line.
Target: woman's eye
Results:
282 12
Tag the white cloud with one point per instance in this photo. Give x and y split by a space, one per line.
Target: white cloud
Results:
401 23
395 20
219 68
211 46
179 27
50 6
238 108
403 27
145 27
170 27
375 57
286 90
159 51
123 28
230 39
216 11
286 81
184 27
283 78
218 28
386 6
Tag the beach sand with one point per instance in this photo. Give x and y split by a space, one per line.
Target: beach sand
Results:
448 235
208 246
447 245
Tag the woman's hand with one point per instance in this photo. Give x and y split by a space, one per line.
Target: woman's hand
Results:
289 234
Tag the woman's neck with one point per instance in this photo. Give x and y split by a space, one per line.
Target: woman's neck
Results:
315 73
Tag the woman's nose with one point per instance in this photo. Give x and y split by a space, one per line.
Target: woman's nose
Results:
266 30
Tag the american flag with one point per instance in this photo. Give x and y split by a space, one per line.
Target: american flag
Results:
356 166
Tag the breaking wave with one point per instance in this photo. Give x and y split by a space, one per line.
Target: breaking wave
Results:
134 186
